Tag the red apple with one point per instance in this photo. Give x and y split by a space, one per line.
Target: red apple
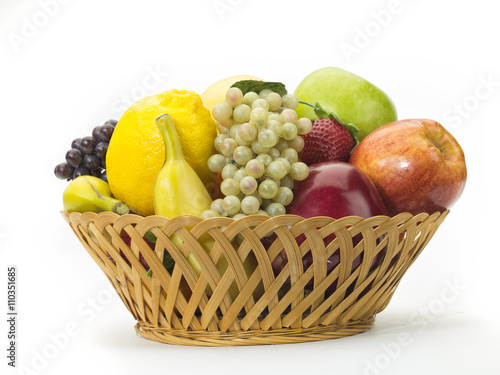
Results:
334 189
416 165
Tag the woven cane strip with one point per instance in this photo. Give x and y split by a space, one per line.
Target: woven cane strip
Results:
298 304
240 338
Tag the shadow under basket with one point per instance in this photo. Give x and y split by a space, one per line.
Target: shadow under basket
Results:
223 290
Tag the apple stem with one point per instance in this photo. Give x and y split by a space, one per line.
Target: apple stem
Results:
309 104
323 113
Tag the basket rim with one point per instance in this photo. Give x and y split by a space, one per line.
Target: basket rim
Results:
66 215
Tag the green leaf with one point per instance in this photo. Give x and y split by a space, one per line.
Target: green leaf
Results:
356 143
168 262
257 86
323 113
150 236
149 273
353 129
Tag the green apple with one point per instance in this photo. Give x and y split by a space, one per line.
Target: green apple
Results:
352 98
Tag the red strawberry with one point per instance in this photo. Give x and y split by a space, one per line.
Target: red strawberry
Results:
327 141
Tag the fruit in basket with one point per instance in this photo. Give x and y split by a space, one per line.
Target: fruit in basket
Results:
328 140
149 239
91 194
336 189
178 190
128 241
416 165
258 157
216 92
352 98
87 156
136 152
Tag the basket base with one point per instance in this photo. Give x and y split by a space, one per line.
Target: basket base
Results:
242 338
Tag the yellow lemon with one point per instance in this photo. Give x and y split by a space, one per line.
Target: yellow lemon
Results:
216 93
136 151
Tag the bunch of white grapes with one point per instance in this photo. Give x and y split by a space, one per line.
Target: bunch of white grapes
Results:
259 143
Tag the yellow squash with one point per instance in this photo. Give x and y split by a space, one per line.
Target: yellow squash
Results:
179 191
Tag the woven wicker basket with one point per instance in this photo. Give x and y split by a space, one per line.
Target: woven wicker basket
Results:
297 305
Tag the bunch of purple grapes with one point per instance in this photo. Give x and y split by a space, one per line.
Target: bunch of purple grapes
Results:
87 156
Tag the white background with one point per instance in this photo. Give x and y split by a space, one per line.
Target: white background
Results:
68 67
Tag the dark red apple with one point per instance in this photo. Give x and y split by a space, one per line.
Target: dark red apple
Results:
334 189
416 165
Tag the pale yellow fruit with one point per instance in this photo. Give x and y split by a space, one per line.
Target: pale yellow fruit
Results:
216 93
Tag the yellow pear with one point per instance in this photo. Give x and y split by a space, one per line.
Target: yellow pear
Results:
216 93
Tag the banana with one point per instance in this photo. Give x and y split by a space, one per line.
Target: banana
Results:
91 194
